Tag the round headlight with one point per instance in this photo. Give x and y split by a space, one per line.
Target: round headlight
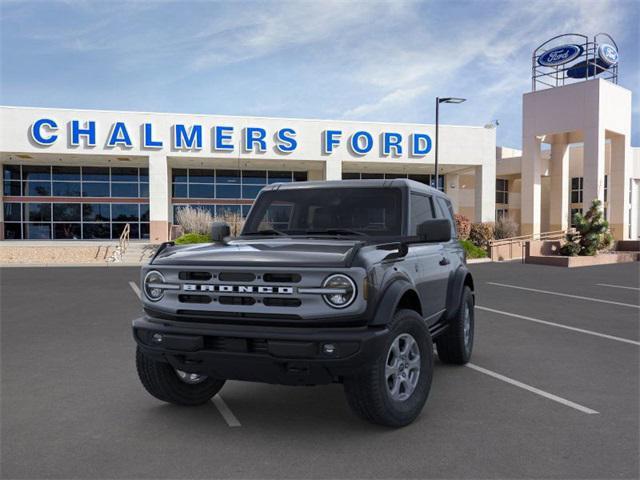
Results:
345 291
151 290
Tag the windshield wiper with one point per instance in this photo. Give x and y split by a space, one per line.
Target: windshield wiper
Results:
335 231
266 231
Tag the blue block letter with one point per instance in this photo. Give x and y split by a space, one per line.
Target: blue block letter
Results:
355 142
184 139
286 140
255 135
391 140
421 144
330 140
147 138
36 131
89 131
119 136
221 137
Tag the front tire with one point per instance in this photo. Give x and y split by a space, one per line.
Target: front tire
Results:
456 343
173 386
393 389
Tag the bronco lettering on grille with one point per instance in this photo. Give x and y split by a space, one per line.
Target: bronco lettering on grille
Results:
261 289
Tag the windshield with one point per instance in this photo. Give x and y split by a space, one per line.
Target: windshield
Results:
327 211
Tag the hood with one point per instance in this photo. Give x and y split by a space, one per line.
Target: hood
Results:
272 252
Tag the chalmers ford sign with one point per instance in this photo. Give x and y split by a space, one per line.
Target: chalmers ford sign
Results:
45 132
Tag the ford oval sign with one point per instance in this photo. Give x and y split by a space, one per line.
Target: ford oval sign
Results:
560 55
608 54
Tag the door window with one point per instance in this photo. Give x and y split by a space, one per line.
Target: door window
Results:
421 211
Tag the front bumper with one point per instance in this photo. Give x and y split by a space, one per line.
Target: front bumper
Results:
289 356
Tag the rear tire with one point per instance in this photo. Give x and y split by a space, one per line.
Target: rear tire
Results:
456 343
380 393
163 382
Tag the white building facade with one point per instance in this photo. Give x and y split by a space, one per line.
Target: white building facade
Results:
85 174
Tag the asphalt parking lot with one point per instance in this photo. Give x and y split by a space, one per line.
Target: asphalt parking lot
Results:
552 391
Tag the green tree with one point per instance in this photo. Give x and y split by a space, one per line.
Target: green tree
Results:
591 235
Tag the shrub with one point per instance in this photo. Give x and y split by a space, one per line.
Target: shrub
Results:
194 220
591 235
463 226
471 250
505 228
482 233
189 238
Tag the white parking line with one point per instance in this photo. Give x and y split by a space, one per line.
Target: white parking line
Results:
617 286
566 327
535 390
135 289
225 411
591 299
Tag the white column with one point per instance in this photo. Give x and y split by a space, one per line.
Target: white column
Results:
159 197
593 167
618 188
559 205
531 186
485 192
333 169
452 189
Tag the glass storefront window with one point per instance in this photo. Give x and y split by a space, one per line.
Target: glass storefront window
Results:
96 231
124 212
251 191
95 189
197 190
228 176
37 212
12 212
66 173
128 174
66 189
96 212
11 172
228 191
37 189
12 231
32 220
95 174
69 231
12 188
197 175
254 177
124 190
36 172
66 212
37 231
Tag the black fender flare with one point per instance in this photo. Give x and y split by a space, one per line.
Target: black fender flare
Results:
461 277
390 299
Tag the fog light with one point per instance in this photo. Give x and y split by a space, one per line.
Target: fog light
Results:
329 348
157 338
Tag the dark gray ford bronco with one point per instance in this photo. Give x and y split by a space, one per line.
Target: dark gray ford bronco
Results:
347 281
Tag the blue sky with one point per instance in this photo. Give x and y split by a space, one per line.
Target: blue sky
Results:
368 60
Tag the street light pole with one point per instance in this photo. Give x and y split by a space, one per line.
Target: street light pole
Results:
437 142
438 102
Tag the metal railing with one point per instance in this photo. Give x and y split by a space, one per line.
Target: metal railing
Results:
517 245
123 244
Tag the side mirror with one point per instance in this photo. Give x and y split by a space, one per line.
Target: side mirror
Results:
436 230
220 231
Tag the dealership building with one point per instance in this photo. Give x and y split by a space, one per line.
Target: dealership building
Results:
85 174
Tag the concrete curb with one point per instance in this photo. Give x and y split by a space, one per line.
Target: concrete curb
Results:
479 260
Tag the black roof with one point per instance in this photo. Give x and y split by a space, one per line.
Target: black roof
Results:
379 183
